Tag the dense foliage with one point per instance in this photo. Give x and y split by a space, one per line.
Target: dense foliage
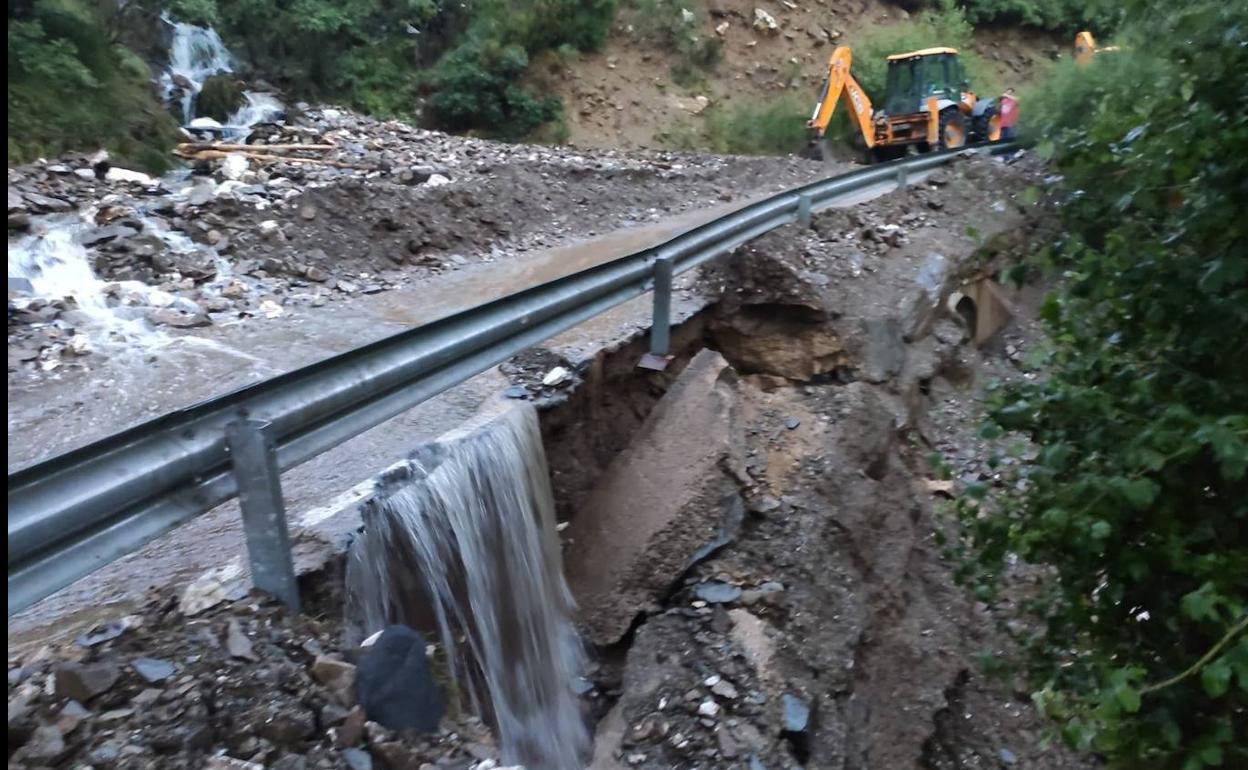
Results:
1137 505
477 85
466 59
1065 15
72 85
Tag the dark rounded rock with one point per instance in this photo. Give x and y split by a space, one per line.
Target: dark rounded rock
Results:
220 97
394 684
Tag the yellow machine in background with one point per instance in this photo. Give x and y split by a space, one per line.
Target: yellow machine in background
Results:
927 104
1085 48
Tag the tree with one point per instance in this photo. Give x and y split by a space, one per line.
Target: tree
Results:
1138 503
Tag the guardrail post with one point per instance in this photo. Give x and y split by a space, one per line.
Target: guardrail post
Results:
264 515
901 177
803 210
661 325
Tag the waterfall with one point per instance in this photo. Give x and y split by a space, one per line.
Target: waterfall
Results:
461 538
259 108
196 54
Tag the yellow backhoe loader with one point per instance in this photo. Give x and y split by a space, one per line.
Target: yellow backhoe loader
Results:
1086 50
927 105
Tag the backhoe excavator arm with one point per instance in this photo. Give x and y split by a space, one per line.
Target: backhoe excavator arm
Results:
841 81
1086 49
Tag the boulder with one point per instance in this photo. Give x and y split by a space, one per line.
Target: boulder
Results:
82 682
220 97
394 684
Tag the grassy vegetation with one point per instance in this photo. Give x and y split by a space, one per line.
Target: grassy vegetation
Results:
72 87
1066 15
773 127
672 25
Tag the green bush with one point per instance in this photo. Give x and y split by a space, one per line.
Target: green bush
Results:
71 87
1137 506
477 85
1069 15
475 88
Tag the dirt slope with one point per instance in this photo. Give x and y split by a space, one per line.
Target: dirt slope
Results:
624 95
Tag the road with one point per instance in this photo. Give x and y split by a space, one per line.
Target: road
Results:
127 389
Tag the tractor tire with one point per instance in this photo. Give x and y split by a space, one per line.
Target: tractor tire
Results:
953 132
986 127
885 154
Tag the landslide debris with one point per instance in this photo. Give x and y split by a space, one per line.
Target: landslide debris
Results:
829 632
235 238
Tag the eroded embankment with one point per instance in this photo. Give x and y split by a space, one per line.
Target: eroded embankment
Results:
749 541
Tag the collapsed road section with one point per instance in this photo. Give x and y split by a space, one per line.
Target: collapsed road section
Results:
748 543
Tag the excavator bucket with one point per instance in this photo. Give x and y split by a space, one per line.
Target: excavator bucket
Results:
815 150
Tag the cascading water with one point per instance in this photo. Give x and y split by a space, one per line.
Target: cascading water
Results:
461 537
259 108
58 267
196 54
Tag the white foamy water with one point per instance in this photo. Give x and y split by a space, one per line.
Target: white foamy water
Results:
462 537
58 267
196 54
259 108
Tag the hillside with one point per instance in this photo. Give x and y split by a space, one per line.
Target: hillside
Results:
632 93
637 73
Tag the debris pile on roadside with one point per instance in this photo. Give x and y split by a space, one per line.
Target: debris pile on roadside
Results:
239 686
325 208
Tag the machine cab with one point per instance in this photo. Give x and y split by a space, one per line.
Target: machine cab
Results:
914 77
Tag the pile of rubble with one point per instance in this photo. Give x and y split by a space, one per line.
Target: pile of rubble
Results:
237 687
326 207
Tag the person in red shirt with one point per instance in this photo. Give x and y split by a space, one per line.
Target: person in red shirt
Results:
1009 114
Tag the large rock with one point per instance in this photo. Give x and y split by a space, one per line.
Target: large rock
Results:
394 684
221 96
922 305
82 682
666 501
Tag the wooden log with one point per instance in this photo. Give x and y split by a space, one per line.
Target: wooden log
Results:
262 157
198 146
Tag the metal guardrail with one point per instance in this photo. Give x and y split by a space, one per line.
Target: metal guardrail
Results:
77 512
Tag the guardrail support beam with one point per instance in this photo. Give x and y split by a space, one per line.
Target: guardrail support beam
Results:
264 515
661 325
803 210
901 177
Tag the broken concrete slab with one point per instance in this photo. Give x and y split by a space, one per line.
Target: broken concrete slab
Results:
664 498
922 305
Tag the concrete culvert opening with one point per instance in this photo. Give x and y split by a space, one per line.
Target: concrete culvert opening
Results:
965 308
